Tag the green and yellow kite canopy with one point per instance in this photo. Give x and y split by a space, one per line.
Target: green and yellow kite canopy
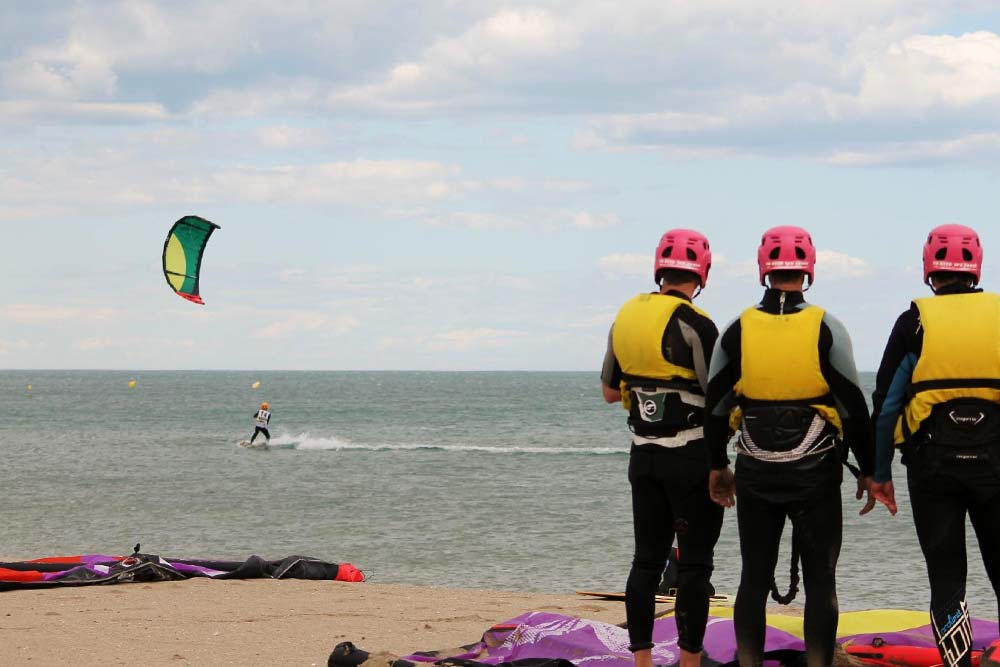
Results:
182 254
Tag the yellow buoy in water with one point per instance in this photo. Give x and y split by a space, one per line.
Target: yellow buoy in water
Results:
29 387
255 385
131 384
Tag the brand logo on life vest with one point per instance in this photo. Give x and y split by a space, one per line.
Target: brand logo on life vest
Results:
972 420
650 405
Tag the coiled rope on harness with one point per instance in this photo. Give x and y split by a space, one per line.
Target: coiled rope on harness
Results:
793 571
793 580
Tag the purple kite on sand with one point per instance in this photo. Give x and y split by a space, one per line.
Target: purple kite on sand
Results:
540 639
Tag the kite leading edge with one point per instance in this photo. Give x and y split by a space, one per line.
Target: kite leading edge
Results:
182 252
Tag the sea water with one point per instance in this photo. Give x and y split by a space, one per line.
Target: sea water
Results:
483 480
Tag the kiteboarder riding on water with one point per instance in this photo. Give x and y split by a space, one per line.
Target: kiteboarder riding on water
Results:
260 421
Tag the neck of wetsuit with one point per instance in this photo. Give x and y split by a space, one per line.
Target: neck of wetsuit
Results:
780 302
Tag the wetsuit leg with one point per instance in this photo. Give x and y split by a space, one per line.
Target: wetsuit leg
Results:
939 506
984 515
760 525
267 434
256 431
817 525
697 523
652 522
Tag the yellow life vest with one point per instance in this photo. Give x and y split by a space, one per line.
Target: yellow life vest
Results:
637 338
960 357
780 362
663 399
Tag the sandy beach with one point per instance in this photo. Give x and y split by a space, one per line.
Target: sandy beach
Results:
259 622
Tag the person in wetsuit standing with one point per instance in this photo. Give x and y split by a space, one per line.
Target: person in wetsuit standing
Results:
261 422
656 365
937 397
783 375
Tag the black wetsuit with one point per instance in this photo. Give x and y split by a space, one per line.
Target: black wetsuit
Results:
942 491
257 430
670 498
807 490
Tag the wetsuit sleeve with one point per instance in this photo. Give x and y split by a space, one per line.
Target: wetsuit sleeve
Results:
698 334
269 420
840 372
720 396
611 372
892 385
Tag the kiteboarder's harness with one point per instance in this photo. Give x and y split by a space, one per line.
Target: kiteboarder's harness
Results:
782 432
672 409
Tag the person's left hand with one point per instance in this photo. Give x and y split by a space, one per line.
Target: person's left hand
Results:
722 487
886 494
865 486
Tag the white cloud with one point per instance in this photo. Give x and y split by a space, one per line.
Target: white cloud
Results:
123 177
34 313
969 148
535 219
626 265
473 338
289 324
925 97
13 346
585 220
834 265
854 83
448 72
286 137
130 344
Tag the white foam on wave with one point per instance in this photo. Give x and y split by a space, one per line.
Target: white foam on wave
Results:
306 441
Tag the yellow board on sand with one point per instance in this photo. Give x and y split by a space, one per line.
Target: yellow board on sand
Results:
663 599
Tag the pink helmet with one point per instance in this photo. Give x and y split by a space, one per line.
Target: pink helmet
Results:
953 248
685 250
786 249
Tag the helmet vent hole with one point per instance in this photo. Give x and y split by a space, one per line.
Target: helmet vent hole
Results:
966 255
691 255
668 251
941 253
775 253
800 253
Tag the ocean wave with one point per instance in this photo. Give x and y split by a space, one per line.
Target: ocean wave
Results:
305 441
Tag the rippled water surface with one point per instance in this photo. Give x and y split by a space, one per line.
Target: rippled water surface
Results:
485 480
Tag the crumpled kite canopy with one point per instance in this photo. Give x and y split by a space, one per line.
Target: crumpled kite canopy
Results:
542 639
59 571
182 252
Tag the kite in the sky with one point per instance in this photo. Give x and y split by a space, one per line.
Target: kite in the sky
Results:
182 254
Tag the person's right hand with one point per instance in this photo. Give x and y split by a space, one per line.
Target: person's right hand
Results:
722 487
885 493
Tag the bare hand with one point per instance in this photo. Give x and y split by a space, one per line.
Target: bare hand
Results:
722 487
865 484
886 494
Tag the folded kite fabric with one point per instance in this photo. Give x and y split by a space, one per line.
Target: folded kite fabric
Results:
538 638
93 569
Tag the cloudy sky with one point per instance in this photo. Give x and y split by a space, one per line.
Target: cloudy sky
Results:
469 185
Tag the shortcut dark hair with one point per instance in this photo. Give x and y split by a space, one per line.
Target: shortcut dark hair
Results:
942 278
677 277
786 276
